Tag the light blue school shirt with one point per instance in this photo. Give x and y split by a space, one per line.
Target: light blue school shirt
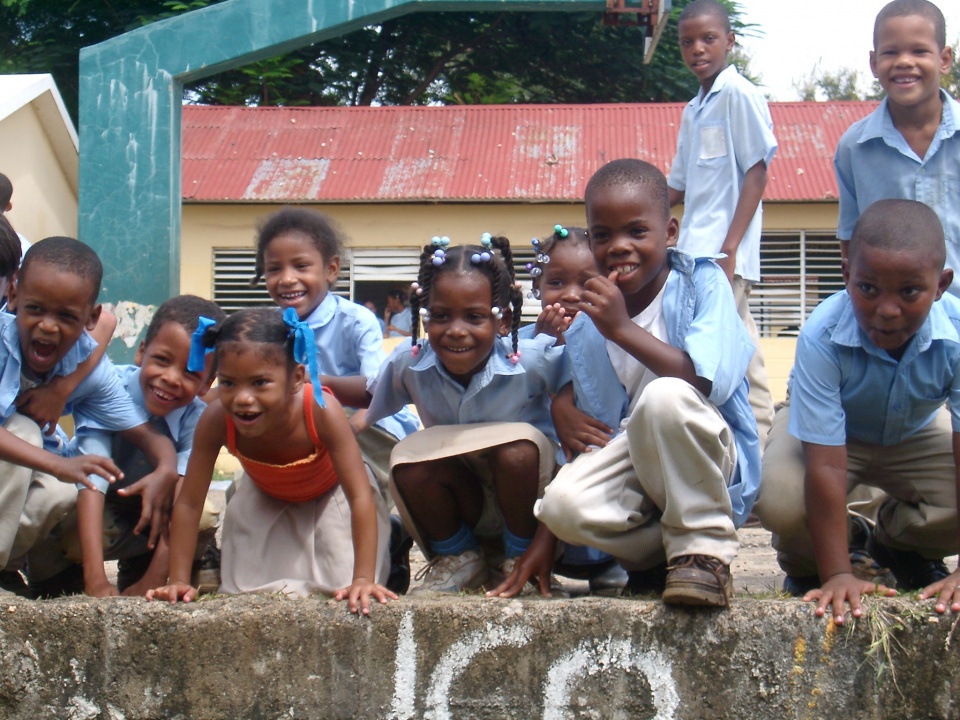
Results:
722 135
701 318
99 402
500 392
874 162
402 321
843 386
178 425
350 342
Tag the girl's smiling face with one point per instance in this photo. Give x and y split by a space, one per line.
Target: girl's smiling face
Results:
461 326
563 277
257 386
296 273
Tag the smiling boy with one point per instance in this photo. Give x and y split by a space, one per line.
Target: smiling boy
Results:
55 304
875 399
659 350
909 147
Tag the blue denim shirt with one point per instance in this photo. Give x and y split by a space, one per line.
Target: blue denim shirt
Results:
350 342
701 320
843 386
502 391
874 162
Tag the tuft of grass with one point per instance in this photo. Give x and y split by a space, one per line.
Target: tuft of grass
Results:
885 620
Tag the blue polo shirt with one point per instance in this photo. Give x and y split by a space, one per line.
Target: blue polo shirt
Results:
843 386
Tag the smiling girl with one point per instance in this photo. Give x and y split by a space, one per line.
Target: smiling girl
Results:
305 518
489 446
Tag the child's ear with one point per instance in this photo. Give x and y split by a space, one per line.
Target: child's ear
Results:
94 317
731 41
873 63
506 322
845 270
946 280
673 232
12 293
946 60
333 270
138 358
299 373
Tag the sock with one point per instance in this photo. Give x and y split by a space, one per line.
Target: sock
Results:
457 544
514 546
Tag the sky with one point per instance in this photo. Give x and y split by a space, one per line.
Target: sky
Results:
799 34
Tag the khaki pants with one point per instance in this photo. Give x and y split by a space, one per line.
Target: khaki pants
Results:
918 476
31 502
761 399
657 490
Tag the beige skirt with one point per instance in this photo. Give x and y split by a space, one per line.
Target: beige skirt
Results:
295 548
469 442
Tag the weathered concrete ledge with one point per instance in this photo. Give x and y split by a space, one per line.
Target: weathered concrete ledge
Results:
272 657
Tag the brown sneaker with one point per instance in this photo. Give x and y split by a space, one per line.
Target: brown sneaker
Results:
698 580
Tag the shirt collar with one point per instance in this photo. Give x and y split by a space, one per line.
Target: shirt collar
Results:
497 364
323 313
723 77
879 124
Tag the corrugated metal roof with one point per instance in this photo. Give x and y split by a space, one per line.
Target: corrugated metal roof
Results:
485 153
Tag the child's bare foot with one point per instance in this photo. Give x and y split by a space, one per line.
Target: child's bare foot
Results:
139 588
100 588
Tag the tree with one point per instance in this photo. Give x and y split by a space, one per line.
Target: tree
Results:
951 81
440 58
819 84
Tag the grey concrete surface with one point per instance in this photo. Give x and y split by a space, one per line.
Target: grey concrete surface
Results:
470 657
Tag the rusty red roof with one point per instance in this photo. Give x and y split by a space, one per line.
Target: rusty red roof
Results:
483 153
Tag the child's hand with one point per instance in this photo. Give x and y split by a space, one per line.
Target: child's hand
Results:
948 592
536 562
173 592
358 595
728 265
553 320
576 430
75 470
156 500
44 404
100 588
844 588
603 302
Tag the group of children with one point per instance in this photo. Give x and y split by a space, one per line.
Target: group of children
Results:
624 429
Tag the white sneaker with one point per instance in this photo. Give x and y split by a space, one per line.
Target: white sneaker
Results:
452 573
530 587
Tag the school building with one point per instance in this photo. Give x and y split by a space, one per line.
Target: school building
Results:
393 177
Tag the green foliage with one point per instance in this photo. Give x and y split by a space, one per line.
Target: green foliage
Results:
951 81
440 58
819 84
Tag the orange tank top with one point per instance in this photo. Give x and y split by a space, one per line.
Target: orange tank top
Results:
299 481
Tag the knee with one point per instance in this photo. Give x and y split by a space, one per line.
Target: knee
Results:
517 457
25 429
560 508
660 404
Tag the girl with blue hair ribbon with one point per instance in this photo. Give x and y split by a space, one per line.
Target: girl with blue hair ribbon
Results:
307 518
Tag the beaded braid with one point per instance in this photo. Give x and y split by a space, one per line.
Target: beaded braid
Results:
513 294
420 294
543 249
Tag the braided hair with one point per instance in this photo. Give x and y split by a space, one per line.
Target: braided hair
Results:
252 326
496 267
572 236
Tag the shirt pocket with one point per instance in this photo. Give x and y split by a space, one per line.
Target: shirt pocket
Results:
713 144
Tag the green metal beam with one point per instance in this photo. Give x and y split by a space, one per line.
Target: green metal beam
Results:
130 96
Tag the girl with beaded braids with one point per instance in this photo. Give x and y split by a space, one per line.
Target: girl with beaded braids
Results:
306 517
488 448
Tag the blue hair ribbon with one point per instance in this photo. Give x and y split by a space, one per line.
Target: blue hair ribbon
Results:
197 360
305 351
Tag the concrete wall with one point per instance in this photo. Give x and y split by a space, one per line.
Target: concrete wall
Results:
270 657
44 200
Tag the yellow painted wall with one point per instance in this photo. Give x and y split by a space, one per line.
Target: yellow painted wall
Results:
44 202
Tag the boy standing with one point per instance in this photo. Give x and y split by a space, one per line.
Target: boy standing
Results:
659 351
909 147
161 386
875 366
55 302
719 173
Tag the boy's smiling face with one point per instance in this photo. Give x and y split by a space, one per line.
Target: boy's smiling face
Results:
164 379
891 292
908 61
629 235
53 309
704 44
